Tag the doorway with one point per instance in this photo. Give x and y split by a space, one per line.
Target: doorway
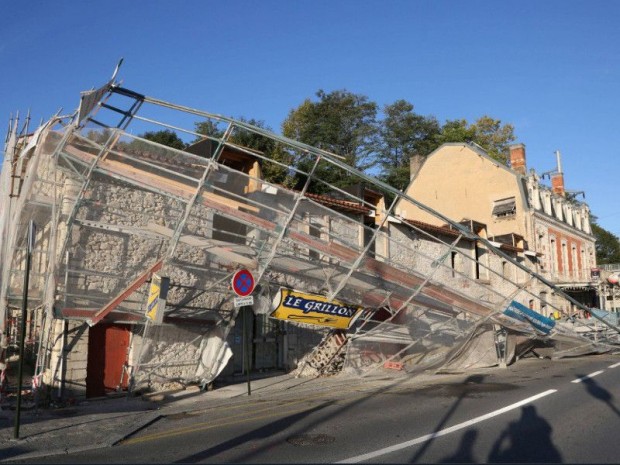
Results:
108 346
265 348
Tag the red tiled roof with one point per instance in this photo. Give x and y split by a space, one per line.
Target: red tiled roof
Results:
353 207
432 228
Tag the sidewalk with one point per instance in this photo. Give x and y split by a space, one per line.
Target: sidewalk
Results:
95 424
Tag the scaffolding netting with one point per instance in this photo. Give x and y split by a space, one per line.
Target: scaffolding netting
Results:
111 208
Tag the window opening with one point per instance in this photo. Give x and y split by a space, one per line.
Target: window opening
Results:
505 207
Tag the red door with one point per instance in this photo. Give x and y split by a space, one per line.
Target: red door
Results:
107 355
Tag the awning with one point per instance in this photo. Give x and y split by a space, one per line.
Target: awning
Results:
505 207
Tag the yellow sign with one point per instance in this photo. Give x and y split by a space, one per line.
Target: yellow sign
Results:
156 303
313 309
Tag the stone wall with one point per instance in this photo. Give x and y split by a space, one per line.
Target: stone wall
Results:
68 359
302 340
414 250
167 357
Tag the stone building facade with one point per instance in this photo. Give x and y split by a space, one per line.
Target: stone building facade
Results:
114 209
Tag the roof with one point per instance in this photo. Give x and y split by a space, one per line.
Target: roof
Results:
345 205
449 231
446 230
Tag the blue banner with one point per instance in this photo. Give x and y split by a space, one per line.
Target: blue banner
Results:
522 313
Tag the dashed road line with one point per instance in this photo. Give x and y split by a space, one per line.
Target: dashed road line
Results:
591 375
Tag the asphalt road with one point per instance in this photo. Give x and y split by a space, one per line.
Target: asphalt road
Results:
534 411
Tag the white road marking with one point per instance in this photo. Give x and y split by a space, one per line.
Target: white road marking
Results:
591 375
615 365
443 432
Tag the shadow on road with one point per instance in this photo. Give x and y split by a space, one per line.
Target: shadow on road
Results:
527 440
474 379
599 393
262 433
269 431
464 453
267 434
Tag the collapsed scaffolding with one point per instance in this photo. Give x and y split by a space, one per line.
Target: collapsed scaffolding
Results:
113 208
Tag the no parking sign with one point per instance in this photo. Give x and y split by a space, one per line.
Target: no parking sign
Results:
243 283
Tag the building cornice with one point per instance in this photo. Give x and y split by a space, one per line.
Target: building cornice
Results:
561 225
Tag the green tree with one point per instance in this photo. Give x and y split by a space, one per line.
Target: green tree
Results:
267 147
402 134
458 130
494 137
165 137
208 128
607 245
339 122
487 132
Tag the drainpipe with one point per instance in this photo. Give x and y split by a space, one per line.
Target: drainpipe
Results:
285 345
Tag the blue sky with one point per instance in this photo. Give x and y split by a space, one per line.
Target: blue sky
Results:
550 68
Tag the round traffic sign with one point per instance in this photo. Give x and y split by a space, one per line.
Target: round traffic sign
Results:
243 283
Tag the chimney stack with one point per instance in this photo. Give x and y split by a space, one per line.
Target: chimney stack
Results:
557 179
415 164
517 158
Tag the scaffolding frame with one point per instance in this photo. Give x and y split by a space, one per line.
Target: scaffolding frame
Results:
198 219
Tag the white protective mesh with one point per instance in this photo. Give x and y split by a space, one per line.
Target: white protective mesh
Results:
112 207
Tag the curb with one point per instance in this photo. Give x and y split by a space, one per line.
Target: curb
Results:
148 419
50 453
137 426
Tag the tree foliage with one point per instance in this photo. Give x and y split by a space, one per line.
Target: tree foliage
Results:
487 132
276 173
339 122
402 134
165 137
346 124
607 245
208 128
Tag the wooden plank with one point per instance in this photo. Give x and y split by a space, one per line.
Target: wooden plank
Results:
116 301
177 188
209 245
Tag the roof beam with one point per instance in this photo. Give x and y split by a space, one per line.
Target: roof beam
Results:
116 301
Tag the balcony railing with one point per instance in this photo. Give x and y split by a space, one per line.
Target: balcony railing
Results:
610 267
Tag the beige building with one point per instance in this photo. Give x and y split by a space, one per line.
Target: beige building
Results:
549 231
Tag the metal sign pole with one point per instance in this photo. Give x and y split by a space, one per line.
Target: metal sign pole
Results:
20 373
246 338
242 283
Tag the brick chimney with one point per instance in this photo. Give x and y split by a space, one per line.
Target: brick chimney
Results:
557 179
517 158
557 184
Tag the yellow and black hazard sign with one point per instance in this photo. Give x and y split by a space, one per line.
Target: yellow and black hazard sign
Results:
156 303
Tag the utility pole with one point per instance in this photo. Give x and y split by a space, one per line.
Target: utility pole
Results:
20 373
